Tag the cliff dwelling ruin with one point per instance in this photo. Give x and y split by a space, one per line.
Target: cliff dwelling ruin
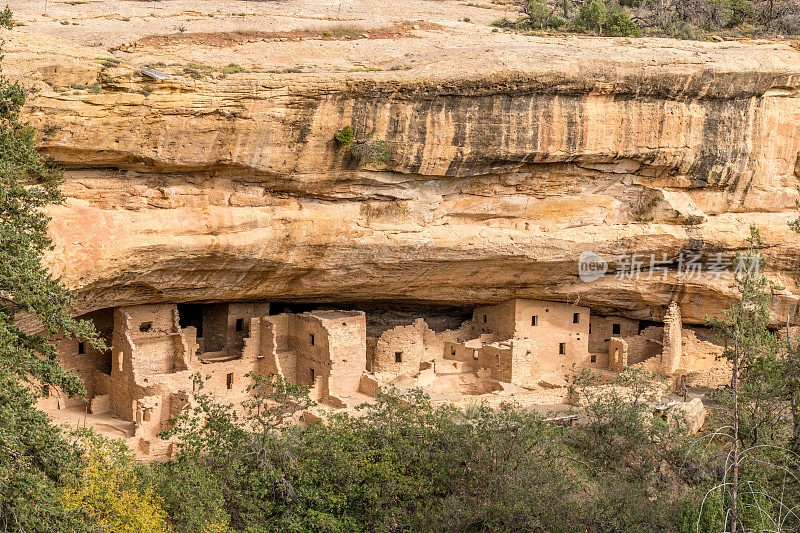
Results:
517 351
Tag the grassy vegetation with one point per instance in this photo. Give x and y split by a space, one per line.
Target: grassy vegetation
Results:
691 19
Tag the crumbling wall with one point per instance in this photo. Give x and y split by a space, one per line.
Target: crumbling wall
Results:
698 353
242 314
645 346
434 341
497 359
400 349
602 328
144 341
618 354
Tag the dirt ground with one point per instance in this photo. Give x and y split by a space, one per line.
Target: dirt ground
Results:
302 35
426 37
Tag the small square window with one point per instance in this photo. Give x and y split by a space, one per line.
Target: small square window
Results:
311 339
534 320
229 381
576 318
562 348
144 327
615 329
398 357
81 348
240 324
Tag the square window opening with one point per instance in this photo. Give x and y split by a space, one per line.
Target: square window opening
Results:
144 327
615 329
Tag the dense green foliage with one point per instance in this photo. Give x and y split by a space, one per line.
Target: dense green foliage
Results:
406 465
34 457
683 19
344 136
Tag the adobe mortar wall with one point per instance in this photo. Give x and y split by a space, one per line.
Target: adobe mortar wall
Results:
408 341
602 329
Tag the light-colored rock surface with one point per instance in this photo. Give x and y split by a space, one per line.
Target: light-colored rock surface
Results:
510 156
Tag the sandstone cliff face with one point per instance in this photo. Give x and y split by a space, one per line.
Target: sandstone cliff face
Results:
498 175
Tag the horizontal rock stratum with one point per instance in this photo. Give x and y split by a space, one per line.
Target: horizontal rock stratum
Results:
500 166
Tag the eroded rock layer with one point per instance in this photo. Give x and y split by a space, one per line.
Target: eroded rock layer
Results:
476 183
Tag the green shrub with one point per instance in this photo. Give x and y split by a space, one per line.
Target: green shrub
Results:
344 136
740 11
233 68
556 21
6 18
618 23
591 16
538 12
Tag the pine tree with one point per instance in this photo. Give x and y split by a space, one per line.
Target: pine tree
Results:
34 455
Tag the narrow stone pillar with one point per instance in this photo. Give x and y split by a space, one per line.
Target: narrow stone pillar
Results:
671 355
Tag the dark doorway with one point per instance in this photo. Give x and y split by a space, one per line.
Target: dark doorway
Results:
191 315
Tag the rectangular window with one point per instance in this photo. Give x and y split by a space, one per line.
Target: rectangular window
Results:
240 324
452 350
484 319
594 358
144 327
229 381
311 339
615 329
576 318
81 348
562 348
311 375
534 320
398 357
